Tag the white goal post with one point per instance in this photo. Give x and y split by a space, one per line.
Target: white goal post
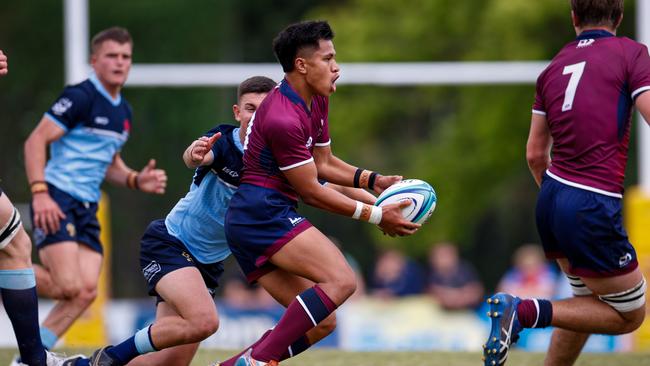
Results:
386 74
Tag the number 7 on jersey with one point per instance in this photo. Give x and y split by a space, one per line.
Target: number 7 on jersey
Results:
576 73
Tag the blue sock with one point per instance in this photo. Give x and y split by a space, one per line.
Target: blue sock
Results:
131 348
18 290
48 338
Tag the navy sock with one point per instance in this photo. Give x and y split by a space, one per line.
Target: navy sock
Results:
131 348
535 313
18 289
296 348
82 362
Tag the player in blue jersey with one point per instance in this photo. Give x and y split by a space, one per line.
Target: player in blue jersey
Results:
577 152
287 152
85 130
17 282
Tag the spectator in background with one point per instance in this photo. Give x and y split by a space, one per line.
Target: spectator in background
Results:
396 275
452 281
531 275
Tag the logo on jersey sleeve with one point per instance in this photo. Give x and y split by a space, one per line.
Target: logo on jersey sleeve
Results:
127 125
585 43
310 141
61 106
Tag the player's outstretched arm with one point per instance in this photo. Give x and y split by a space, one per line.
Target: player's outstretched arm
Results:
200 151
337 171
304 180
47 212
4 66
148 180
538 148
354 193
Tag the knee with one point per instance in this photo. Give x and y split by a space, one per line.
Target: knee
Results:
87 295
201 327
633 320
346 282
70 290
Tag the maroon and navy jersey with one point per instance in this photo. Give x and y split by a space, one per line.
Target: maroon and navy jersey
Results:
281 136
587 94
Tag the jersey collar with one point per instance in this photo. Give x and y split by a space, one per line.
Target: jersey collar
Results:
100 88
288 91
237 140
594 33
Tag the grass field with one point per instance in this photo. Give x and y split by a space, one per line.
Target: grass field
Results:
339 358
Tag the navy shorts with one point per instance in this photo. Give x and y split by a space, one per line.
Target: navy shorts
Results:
162 253
259 222
586 228
80 223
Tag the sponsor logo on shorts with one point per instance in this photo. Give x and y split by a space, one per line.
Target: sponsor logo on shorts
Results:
625 260
71 229
295 220
151 270
100 120
187 256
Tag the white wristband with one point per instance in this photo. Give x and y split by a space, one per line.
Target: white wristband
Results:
375 215
357 211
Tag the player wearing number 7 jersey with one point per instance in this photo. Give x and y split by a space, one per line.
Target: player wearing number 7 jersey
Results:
581 115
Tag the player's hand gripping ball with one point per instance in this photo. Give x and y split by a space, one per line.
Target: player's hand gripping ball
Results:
420 193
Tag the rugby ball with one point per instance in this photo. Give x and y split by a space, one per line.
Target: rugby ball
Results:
420 193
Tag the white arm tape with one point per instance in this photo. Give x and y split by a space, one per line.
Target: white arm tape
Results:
357 211
375 215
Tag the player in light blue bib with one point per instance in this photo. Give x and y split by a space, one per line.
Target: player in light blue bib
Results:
85 130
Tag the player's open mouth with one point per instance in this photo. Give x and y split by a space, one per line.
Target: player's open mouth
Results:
333 87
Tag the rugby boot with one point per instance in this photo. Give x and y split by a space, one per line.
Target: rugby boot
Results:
247 360
101 358
51 359
504 330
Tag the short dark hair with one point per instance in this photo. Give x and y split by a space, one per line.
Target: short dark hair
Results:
598 12
298 36
255 84
117 34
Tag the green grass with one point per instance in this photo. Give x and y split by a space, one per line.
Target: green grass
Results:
340 358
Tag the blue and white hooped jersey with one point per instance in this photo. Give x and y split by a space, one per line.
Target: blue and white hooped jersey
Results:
198 218
96 126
